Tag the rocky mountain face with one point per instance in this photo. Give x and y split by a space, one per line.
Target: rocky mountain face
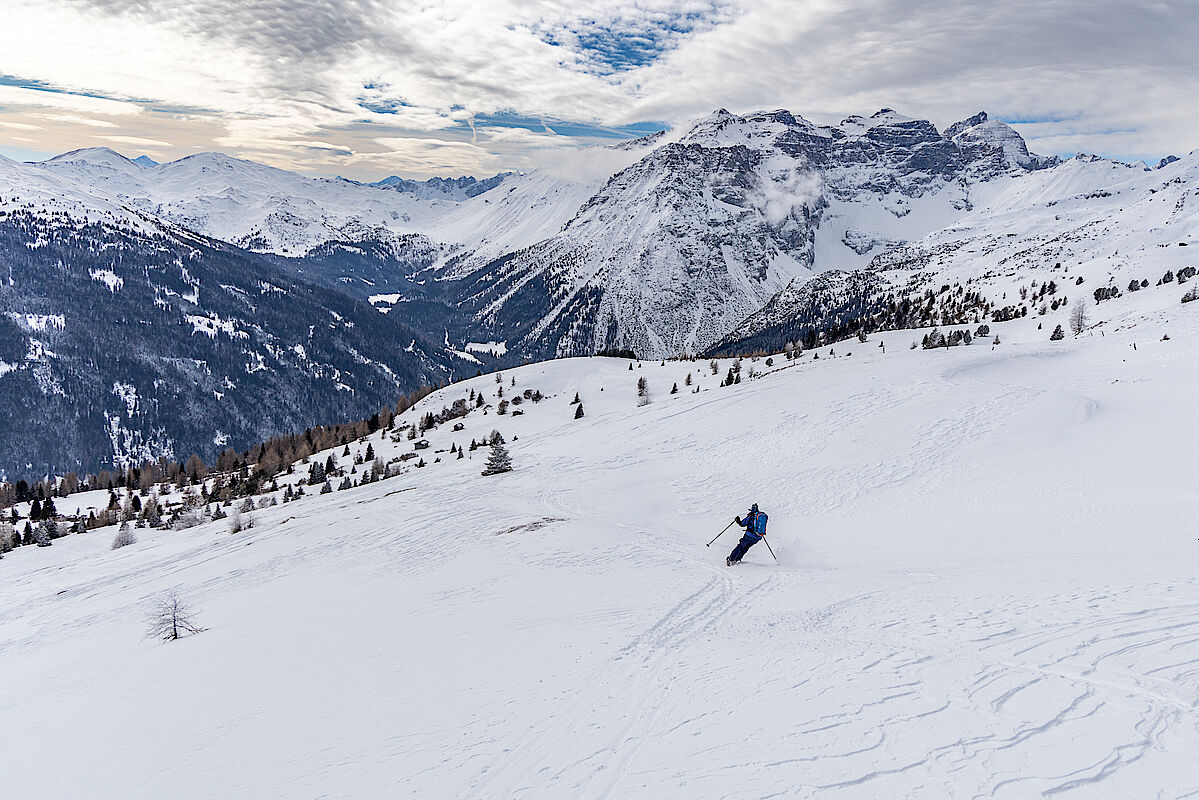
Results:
742 232
676 249
1089 228
442 188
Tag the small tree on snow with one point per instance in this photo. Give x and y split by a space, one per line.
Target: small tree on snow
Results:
239 521
171 619
1078 318
1057 335
499 460
579 411
124 537
44 533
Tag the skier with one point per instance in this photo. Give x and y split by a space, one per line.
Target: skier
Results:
755 528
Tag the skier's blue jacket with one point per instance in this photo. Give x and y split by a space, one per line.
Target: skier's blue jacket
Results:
755 524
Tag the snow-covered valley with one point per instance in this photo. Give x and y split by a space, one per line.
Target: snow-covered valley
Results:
986 587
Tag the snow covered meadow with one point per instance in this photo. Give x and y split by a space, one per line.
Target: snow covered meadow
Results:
986 588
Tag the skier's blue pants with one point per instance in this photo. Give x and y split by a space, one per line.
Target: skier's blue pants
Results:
743 546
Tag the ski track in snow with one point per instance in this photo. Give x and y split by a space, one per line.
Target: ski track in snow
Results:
986 589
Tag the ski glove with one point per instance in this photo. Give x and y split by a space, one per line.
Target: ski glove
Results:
738 521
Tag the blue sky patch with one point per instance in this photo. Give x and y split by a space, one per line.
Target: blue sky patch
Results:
612 46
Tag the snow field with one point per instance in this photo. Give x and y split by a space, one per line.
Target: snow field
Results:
986 589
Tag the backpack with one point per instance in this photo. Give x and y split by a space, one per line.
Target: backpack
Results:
759 525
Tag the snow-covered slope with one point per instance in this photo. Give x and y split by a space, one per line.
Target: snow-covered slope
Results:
1088 223
986 586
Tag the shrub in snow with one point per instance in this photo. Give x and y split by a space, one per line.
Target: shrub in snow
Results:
124 537
239 522
579 411
983 330
1185 274
326 488
1057 335
1134 285
1191 295
171 619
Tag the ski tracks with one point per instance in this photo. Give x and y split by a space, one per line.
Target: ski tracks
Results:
588 747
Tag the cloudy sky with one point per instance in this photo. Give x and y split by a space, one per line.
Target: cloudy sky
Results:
367 88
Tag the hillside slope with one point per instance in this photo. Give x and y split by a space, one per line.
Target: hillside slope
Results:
119 346
986 587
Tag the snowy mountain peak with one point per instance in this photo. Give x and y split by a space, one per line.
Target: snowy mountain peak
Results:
957 127
442 188
91 155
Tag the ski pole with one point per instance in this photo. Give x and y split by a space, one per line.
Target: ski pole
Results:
717 536
771 549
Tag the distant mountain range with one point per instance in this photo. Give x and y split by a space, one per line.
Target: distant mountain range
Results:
150 309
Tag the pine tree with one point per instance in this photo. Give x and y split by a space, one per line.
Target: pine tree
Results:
579 411
576 400
1057 335
674 389
370 451
499 460
687 380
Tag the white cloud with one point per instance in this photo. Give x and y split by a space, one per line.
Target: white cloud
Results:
137 141
272 78
40 98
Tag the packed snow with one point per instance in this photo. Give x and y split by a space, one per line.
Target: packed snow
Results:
985 587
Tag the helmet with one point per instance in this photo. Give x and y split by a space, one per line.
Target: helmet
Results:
754 507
